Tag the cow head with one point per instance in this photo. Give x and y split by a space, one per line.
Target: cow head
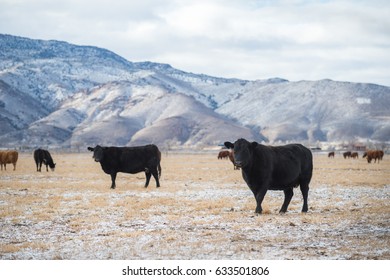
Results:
243 151
97 153
51 164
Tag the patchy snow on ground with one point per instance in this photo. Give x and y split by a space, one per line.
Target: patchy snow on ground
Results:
203 210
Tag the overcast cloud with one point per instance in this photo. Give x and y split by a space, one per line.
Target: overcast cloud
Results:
295 40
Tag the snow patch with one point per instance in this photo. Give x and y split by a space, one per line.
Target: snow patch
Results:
361 100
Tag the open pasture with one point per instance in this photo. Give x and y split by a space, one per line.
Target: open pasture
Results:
203 210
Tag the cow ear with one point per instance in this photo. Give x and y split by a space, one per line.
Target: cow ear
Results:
254 145
229 145
90 149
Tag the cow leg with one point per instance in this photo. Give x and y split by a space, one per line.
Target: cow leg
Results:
155 175
113 177
259 199
148 175
40 166
288 194
305 193
47 169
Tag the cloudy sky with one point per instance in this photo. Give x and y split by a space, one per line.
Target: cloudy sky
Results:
247 39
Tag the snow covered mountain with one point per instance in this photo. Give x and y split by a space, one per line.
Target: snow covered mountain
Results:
322 110
55 93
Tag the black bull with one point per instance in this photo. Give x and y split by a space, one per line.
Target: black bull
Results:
274 168
129 160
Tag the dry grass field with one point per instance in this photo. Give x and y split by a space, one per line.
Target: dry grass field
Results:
203 210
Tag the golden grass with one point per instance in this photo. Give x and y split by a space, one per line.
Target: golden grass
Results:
202 210
350 172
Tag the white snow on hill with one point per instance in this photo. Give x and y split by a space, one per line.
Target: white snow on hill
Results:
55 93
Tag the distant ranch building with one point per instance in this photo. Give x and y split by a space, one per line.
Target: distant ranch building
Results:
355 147
359 147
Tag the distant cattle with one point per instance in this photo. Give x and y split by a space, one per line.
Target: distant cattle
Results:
274 168
223 154
347 154
129 160
42 156
354 155
8 157
373 155
331 154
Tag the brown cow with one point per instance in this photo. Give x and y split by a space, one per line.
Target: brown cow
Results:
378 155
223 154
8 157
373 155
354 155
331 154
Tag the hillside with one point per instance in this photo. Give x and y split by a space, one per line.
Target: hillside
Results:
56 93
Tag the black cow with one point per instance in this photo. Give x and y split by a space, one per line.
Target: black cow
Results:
129 160
43 156
274 168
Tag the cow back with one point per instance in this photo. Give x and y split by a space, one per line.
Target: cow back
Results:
283 166
10 157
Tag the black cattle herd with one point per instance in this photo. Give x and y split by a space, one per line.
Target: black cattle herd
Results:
263 167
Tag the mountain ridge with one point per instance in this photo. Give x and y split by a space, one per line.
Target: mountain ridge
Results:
74 95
